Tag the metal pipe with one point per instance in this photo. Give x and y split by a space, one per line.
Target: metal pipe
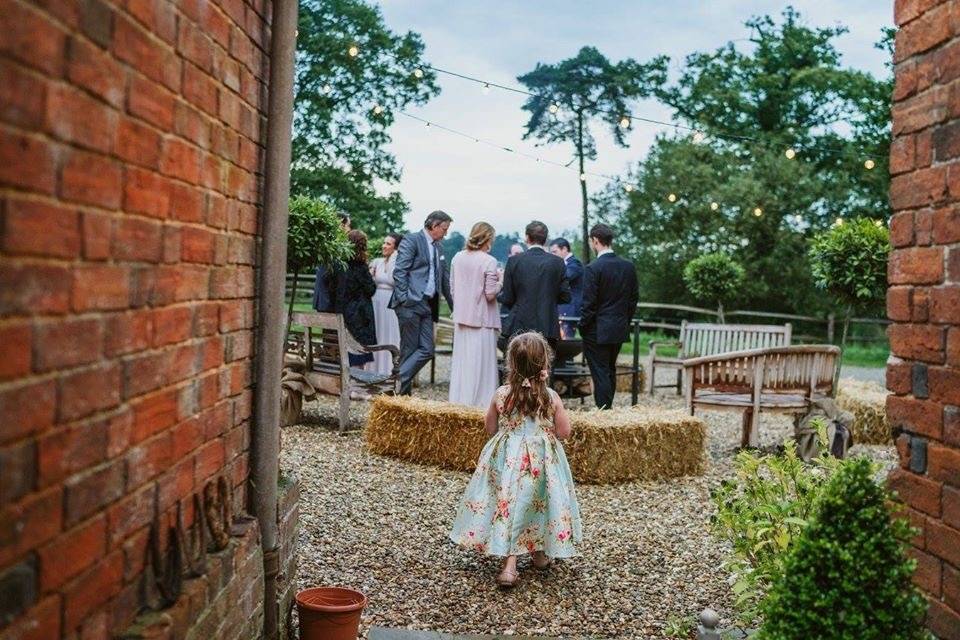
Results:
265 442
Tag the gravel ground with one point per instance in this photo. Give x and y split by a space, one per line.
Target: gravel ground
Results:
380 525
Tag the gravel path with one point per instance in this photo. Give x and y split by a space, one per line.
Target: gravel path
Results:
380 525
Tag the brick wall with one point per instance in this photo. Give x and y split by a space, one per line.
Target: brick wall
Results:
924 295
131 135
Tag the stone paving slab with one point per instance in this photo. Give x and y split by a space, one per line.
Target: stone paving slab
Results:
382 633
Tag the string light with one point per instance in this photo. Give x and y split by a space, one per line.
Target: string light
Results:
879 223
698 137
838 222
353 51
377 109
583 177
486 88
869 164
418 73
553 108
714 206
790 153
672 197
628 187
327 88
624 122
758 212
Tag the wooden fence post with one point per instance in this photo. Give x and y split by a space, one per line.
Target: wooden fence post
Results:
831 321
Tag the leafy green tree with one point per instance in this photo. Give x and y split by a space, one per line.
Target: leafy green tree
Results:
736 189
846 576
714 277
314 237
345 104
573 93
850 262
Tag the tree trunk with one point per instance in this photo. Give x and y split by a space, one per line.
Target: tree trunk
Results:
720 313
293 296
583 189
846 326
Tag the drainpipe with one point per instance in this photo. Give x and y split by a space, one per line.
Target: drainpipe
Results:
265 442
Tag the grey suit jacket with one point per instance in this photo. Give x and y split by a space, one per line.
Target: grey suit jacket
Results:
412 269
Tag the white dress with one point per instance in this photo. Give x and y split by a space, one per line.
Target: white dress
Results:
473 367
388 328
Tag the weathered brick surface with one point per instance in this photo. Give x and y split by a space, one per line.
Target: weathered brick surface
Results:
130 169
923 301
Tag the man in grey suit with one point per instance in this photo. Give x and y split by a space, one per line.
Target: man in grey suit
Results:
420 276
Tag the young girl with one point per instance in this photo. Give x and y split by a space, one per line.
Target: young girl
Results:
521 497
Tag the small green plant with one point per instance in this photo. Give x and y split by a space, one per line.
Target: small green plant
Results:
714 277
314 237
849 261
679 626
762 511
846 576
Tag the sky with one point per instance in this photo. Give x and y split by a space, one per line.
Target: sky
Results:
497 41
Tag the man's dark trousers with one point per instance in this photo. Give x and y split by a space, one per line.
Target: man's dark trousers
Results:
602 360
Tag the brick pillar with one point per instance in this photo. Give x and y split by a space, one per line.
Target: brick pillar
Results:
923 300
131 143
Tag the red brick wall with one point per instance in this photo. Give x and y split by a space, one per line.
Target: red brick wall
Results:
924 295
131 134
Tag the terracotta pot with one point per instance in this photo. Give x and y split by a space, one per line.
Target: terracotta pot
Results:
330 613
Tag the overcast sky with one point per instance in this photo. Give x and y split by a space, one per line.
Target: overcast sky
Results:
498 40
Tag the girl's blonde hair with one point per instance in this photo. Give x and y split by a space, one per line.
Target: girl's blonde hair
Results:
528 366
480 235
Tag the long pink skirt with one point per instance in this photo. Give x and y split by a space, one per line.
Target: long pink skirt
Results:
473 370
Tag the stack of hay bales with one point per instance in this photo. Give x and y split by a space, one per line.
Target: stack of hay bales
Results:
606 447
867 401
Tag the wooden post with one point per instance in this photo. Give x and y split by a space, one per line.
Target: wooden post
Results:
635 382
831 321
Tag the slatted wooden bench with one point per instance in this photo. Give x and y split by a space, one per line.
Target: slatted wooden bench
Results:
778 380
442 344
325 350
707 339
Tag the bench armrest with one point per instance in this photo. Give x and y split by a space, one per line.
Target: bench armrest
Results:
663 343
393 349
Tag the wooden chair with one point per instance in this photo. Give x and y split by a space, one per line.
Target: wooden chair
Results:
778 380
327 367
707 339
442 343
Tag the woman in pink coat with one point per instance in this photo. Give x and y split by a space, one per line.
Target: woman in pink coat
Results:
474 284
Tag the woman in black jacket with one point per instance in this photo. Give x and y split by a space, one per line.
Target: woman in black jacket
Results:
352 288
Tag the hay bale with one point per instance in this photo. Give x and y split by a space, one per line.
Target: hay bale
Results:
606 447
867 401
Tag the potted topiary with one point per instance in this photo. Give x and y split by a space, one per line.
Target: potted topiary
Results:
846 577
714 277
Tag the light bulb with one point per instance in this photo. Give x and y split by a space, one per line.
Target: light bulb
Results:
714 206
377 109
758 212
838 221
486 88
418 73
672 197
327 88
790 153
583 177
698 137
624 122
553 108
353 51
869 164
628 187
879 223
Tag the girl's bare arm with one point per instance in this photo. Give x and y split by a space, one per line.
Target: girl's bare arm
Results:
490 421
561 421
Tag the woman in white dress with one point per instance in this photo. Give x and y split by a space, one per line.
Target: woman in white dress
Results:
388 328
474 284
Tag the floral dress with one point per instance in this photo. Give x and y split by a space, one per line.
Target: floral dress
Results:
521 497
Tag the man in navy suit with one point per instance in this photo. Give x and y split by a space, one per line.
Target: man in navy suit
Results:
561 248
609 301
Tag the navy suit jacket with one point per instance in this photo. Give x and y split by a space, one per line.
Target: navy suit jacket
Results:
534 283
610 296
575 278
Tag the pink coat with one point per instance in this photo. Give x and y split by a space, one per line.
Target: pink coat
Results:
474 283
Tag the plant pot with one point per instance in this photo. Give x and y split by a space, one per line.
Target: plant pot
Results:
330 613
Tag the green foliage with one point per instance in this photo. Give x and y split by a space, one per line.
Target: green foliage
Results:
586 87
850 261
846 576
714 277
339 144
787 89
762 512
679 626
314 236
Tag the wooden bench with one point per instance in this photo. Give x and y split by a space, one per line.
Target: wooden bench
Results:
707 339
327 367
442 343
779 380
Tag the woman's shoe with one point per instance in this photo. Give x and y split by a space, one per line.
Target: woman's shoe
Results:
541 561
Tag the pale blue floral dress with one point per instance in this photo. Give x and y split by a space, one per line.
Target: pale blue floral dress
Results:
521 497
